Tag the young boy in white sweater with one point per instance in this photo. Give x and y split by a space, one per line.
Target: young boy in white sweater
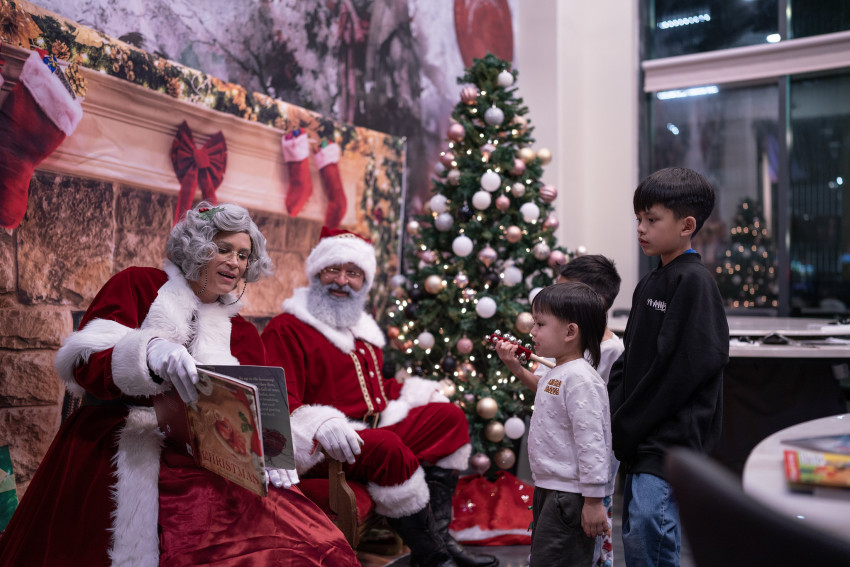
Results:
569 441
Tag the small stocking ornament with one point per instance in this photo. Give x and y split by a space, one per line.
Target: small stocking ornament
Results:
35 118
327 160
296 150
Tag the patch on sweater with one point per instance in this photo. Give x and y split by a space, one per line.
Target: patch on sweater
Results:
657 304
553 386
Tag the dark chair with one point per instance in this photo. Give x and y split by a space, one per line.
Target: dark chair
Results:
727 528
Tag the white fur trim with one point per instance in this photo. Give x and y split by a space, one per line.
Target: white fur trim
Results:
50 95
403 499
366 329
395 411
296 149
304 422
459 460
415 392
472 535
338 250
135 541
97 335
327 155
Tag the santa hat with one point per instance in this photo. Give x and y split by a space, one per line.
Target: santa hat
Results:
337 247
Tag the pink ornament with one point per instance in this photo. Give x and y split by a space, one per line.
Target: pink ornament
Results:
502 202
428 256
456 132
487 256
551 222
464 345
513 234
557 258
479 462
469 95
505 458
519 168
446 158
548 193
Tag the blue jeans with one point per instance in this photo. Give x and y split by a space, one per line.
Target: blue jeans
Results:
652 535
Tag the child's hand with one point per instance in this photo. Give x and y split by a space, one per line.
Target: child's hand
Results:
507 353
594 519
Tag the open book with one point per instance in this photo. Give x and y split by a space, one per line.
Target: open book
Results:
238 426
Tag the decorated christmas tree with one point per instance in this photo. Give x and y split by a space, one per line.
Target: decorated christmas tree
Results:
746 271
474 259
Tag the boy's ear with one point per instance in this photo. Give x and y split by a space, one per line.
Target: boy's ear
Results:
689 226
572 332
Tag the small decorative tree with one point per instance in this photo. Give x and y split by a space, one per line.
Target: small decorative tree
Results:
474 259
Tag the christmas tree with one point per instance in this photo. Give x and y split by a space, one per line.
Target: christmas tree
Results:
746 274
474 259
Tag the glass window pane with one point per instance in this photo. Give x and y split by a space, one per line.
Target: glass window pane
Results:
814 17
730 136
819 250
679 27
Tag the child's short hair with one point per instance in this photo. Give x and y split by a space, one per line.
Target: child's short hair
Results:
598 272
682 190
575 302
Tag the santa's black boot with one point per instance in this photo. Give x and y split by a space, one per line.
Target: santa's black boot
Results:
419 533
441 484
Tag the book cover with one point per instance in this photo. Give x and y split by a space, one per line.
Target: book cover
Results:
270 381
838 444
220 430
817 468
8 492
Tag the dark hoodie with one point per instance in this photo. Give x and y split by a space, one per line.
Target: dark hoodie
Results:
666 388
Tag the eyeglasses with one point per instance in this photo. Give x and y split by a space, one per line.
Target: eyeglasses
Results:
333 273
241 256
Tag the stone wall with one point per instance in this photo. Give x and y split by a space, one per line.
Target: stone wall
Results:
76 234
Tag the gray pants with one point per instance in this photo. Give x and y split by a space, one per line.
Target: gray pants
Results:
557 539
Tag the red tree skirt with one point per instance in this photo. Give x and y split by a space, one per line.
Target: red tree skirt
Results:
492 513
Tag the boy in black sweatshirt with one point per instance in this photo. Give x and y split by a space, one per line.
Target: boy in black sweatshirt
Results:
665 390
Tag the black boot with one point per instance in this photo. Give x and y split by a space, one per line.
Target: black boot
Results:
419 533
441 484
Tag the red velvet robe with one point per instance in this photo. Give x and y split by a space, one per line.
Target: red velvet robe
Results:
87 485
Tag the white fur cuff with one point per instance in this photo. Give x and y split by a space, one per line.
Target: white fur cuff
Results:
402 499
459 460
296 149
130 364
305 421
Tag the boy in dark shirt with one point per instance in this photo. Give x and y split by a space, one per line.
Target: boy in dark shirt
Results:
665 390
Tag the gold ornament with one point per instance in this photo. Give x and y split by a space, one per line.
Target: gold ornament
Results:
520 124
487 408
524 322
469 95
526 155
393 332
513 234
544 155
504 458
433 284
494 431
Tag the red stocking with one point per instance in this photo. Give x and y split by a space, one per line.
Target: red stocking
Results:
327 160
35 118
296 150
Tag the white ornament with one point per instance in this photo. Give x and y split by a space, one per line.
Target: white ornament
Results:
462 245
518 189
491 180
397 281
533 293
413 227
444 222
530 212
486 307
481 200
511 275
425 340
494 116
438 203
514 428
439 169
541 251
505 79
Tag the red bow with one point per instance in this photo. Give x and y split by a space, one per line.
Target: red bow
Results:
197 166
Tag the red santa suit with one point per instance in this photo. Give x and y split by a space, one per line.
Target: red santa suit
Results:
336 372
109 492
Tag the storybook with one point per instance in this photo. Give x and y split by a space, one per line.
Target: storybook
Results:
816 468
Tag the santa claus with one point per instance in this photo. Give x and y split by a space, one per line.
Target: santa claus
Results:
403 441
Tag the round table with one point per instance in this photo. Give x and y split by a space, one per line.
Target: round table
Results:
764 479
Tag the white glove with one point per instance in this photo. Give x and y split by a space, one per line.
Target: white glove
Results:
173 363
339 439
282 477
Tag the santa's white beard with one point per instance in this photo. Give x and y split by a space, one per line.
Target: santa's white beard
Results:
338 312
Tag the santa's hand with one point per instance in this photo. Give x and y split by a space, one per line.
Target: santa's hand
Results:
282 477
339 439
173 363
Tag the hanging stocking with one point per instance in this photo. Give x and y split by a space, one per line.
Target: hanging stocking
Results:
327 160
35 118
296 150
197 166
